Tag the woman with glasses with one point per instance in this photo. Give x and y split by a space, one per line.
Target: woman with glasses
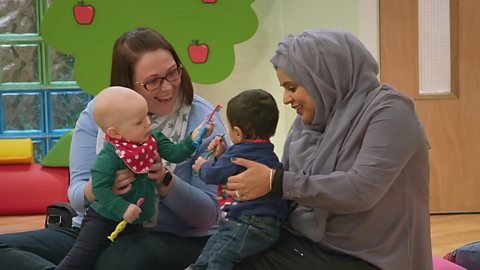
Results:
187 210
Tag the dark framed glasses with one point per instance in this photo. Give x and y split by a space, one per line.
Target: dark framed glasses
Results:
156 83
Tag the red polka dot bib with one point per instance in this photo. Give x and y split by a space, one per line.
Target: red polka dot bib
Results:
138 157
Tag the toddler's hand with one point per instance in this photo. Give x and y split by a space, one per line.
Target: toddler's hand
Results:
198 163
132 213
210 126
217 146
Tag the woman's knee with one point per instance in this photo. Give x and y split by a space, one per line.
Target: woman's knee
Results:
134 251
149 251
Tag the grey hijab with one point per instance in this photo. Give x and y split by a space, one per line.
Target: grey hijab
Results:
339 74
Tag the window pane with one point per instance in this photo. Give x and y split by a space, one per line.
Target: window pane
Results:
65 108
61 66
52 141
434 46
22 112
19 63
18 17
39 148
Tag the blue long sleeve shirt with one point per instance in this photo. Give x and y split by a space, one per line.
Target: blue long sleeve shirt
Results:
217 172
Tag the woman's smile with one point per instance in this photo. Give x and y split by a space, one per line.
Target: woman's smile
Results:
164 99
298 109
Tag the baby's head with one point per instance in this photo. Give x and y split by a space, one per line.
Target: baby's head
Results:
252 114
122 113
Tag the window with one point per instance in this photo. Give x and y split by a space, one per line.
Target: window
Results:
39 97
437 48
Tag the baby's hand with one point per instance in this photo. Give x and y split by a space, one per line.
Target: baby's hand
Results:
217 146
132 213
198 163
210 126
209 129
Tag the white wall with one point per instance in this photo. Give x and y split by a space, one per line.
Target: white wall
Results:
277 18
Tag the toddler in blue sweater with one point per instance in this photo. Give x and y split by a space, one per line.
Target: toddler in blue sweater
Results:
250 226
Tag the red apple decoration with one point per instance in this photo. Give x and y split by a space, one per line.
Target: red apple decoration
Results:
198 52
83 14
209 1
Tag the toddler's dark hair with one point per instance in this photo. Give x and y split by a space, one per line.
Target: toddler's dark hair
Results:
255 112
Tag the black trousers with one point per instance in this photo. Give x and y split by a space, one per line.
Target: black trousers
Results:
92 241
35 250
44 249
152 251
293 252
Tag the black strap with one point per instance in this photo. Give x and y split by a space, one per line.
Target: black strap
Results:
59 215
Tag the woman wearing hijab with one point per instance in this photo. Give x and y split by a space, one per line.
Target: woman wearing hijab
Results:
355 164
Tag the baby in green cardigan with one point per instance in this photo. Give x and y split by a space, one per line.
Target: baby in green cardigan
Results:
122 114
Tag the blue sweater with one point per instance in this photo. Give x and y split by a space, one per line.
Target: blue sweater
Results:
217 172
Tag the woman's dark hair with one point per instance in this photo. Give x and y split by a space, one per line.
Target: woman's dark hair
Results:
255 112
130 47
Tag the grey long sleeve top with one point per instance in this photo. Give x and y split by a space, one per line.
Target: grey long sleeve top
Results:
378 194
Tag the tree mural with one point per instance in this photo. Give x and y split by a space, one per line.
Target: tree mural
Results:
203 33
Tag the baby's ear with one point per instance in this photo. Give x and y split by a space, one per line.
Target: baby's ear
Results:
113 132
238 133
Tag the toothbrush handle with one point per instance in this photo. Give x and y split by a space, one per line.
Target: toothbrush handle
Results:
122 224
198 140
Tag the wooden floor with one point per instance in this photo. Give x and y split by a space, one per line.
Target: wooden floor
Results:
452 231
448 231
21 223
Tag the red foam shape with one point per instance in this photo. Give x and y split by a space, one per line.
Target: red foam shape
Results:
29 189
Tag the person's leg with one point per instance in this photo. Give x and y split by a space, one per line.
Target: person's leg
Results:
153 250
238 239
263 232
35 250
202 260
90 243
292 252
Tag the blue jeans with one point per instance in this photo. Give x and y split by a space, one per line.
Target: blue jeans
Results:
237 239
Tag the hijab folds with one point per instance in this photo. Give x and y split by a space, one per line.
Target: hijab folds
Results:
340 75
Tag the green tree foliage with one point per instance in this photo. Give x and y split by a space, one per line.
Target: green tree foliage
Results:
220 25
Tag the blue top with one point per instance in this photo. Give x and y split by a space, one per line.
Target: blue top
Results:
217 172
189 209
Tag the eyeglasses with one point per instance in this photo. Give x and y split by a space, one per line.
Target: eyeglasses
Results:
157 82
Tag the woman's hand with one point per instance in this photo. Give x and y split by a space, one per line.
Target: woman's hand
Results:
156 173
250 184
123 182
217 146
121 186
